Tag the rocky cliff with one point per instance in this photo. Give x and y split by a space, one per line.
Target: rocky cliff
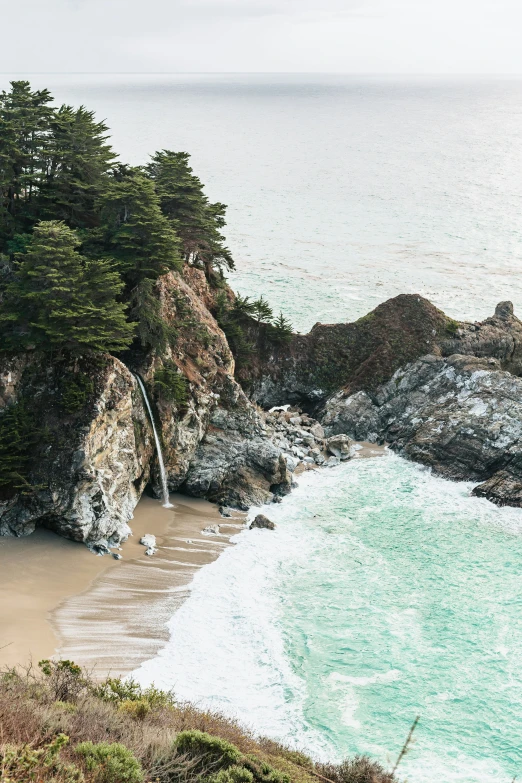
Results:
444 393
93 452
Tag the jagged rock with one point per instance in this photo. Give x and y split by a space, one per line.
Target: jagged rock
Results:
148 540
461 415
320 459
331 462
263 522
340 446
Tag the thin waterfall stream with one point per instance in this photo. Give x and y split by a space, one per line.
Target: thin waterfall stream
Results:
163 473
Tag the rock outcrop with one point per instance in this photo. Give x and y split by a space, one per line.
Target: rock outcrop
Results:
90 462
94 451
460 415
442 393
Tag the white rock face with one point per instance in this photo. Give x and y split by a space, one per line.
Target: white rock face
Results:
93 486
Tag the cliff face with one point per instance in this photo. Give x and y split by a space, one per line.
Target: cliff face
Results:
458 411
441 393
94 448
353 356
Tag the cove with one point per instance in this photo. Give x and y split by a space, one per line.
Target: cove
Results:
384 593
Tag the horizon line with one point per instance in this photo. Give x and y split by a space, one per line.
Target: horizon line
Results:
248 73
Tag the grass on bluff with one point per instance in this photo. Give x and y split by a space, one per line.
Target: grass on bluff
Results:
57 725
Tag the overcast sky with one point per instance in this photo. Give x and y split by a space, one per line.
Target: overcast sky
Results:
353 36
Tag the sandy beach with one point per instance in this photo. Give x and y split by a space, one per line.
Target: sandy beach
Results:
109 615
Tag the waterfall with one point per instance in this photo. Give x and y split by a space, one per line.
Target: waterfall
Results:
163 472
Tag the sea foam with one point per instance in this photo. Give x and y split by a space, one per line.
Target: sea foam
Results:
384 593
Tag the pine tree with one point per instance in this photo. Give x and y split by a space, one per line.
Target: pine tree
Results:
152 330
18 436
196 221
134 230
262 310
61 300
281 330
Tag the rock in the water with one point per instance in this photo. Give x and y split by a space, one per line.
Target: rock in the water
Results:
340 446
148 540
263 522
116 556
211 530
150 551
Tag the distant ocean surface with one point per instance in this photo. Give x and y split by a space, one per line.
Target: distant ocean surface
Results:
342 191
385 592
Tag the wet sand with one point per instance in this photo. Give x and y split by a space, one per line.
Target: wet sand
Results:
109 615
57 598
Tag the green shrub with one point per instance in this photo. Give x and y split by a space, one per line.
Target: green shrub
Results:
207 752
117 689
21 764
234 774
75 388
137 709
110 762
452 326
170 385
65 679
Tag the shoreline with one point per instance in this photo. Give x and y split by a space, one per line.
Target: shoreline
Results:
59 598
110 615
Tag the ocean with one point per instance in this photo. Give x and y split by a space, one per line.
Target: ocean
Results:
385 592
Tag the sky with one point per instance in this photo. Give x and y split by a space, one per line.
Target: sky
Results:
341 36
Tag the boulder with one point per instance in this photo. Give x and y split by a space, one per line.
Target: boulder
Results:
148 540
340 446
263 522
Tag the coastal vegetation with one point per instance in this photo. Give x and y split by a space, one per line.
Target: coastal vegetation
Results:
83 237
59 725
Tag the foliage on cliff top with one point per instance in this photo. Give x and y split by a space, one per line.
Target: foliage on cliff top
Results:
58 174
59 726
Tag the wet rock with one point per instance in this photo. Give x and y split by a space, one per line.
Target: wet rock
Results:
151 550
148 540
331 462
263 522
116 556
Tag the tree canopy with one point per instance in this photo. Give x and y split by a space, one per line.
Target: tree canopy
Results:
60 299
84 239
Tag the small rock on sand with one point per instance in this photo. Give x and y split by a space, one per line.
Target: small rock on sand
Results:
211 530
148 540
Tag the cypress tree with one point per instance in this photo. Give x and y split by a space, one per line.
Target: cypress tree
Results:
196 221
24 143
134 230
78 159
62 300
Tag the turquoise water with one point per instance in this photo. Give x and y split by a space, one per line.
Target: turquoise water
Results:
385 593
